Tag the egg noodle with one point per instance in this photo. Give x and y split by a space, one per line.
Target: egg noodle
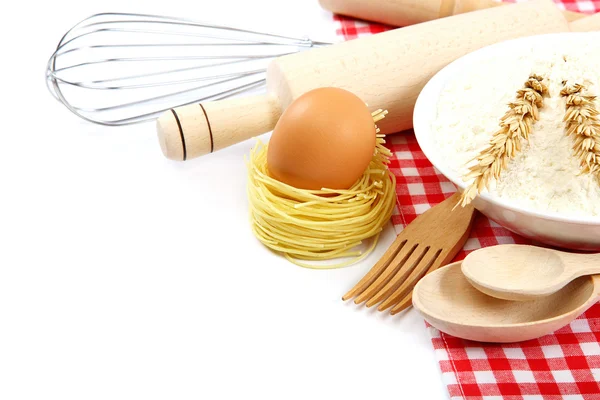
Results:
316 225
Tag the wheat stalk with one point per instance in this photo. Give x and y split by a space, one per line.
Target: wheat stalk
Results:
515 126
581 118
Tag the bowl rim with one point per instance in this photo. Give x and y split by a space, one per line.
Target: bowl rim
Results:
422 118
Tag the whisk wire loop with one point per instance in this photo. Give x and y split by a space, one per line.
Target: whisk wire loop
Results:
122 68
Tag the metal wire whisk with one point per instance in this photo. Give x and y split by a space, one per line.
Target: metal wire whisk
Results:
122 68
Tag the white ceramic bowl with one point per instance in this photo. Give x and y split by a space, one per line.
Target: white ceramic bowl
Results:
554 229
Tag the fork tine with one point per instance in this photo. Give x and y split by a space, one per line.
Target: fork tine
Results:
393 267
374 273
442 227
407 286
442 257
408 266
403 305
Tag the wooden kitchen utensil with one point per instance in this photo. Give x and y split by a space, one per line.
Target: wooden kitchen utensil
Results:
587 24
386 70
521 272
117 69
451 304
432 240
410 12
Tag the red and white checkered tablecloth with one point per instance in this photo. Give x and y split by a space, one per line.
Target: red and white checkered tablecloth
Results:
562 365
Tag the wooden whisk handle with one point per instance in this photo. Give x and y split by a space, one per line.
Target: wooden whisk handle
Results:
194 130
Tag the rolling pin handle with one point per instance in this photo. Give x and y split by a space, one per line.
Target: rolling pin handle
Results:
197 129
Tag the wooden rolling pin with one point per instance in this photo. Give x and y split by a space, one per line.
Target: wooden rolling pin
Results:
387 70
410 12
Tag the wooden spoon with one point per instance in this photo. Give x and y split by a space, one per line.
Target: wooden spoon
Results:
520 272
451 304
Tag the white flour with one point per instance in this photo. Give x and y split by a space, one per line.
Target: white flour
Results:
544 175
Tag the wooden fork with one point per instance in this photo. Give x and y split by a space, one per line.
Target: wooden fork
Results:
431 241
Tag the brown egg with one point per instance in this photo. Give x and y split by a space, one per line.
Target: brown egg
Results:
324 139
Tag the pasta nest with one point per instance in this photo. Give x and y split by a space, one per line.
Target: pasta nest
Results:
317 225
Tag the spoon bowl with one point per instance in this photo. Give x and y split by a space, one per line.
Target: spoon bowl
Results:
451 304
522 272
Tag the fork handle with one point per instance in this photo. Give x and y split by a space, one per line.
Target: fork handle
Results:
587 24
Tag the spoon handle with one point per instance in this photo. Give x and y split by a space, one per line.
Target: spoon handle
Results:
578 265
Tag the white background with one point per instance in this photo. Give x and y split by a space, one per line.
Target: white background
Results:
124 275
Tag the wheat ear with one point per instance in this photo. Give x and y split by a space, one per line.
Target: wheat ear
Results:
581 118
515 126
